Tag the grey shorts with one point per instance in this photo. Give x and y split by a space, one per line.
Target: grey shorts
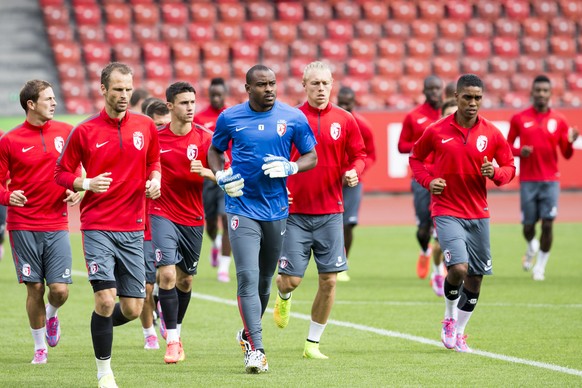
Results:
352 200
116 256
213 199
40 256
539 200
465 241
421 198
322 234
176 244
150 261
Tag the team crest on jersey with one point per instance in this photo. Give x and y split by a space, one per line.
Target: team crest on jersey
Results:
158 254
138 140
281 127
93 268
26 271
447 255
335 130
482 143
552 125
234 222
192 151
59 143
283 262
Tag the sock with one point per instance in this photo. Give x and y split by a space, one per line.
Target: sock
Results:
183 302
451 299
469 302
39 335
179 328
149 331
542 261
532 244
217 243
463 320
102 336
315 331
223 263
103 367
172 335
439 269
51 311
169 304
117 317
285 296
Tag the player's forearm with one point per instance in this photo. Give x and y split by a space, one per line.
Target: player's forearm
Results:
215 159
307 161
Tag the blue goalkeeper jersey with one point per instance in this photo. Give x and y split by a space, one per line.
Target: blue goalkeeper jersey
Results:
254 136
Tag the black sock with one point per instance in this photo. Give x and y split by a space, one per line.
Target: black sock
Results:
183 302
169 303
468 300
102 336
451 291
117 317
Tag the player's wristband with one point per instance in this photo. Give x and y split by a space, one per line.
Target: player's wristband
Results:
86 184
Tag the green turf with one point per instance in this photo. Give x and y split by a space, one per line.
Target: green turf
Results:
7 123
516 317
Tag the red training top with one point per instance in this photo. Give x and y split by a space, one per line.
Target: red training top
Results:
368 137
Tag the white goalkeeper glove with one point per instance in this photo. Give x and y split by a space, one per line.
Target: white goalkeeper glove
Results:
279 167
230 184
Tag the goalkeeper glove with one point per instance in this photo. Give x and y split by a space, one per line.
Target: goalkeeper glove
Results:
230 184
279 167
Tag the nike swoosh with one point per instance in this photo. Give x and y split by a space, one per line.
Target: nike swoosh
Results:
283 232
66 276
239 129
27 149
164 151
102 144
339 264
421 120
488 268
142 290
527 125
447 140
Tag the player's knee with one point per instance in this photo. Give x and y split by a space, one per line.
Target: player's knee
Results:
327 282
286 283
248 282
59 293
547 226
35 290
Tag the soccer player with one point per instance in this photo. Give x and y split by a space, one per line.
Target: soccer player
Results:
177 217
138 97
37 212
262 132
346 99
212 194
121 155
2 218
541 131
315 222
464 146
413 126
159 112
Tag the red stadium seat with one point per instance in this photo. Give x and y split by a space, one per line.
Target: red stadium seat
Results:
245 50
203 12
293 91
446 67
389 68
449 48
534 47
200 32
187 70
535 28
562 46
175 13
94 72
58 33
331 49
502 66
231 12
275 50
516 100
56 15
300 49
311 31
318 11
279 68
487 11
186 51
90 34
403 10
261 11
290 11
459 10
74 88
173 32
530 66
117 13
507 27
156 87
401 101
297 66
240 67
215 69
366 30
118 34
571 10
506 47
477 47
517 9
79 106
452 29
411 87
383 87
156 51
67 52
358 85
431 11
545 9
558 84
559 65
563 27
338 70
45 3
99 52
214 51
146 14
397 29
87 15
420 48
369 101
375 11
228 32
391 48
347 10
520 83
255 32
340 30
480 28
362 48
574 82
76 3
160 70
285 32
578 64
474 66
495 84
424 30
416 67
127 52
237 89
71 71
572 99
146 33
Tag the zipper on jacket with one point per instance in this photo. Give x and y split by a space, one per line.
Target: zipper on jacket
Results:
42 141
119 132
319 123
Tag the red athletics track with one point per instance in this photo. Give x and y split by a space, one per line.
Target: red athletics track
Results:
396 209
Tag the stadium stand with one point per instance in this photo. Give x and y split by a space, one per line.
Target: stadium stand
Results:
381 49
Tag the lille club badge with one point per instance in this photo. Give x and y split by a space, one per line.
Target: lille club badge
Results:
138 140
192 151
281 127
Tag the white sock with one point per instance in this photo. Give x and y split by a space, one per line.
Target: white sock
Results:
103 367
179 328
315 331
39 335
451 308
543 258
533 245
51 311
463 320
284 296
217 243
223 263
149 331
173 336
